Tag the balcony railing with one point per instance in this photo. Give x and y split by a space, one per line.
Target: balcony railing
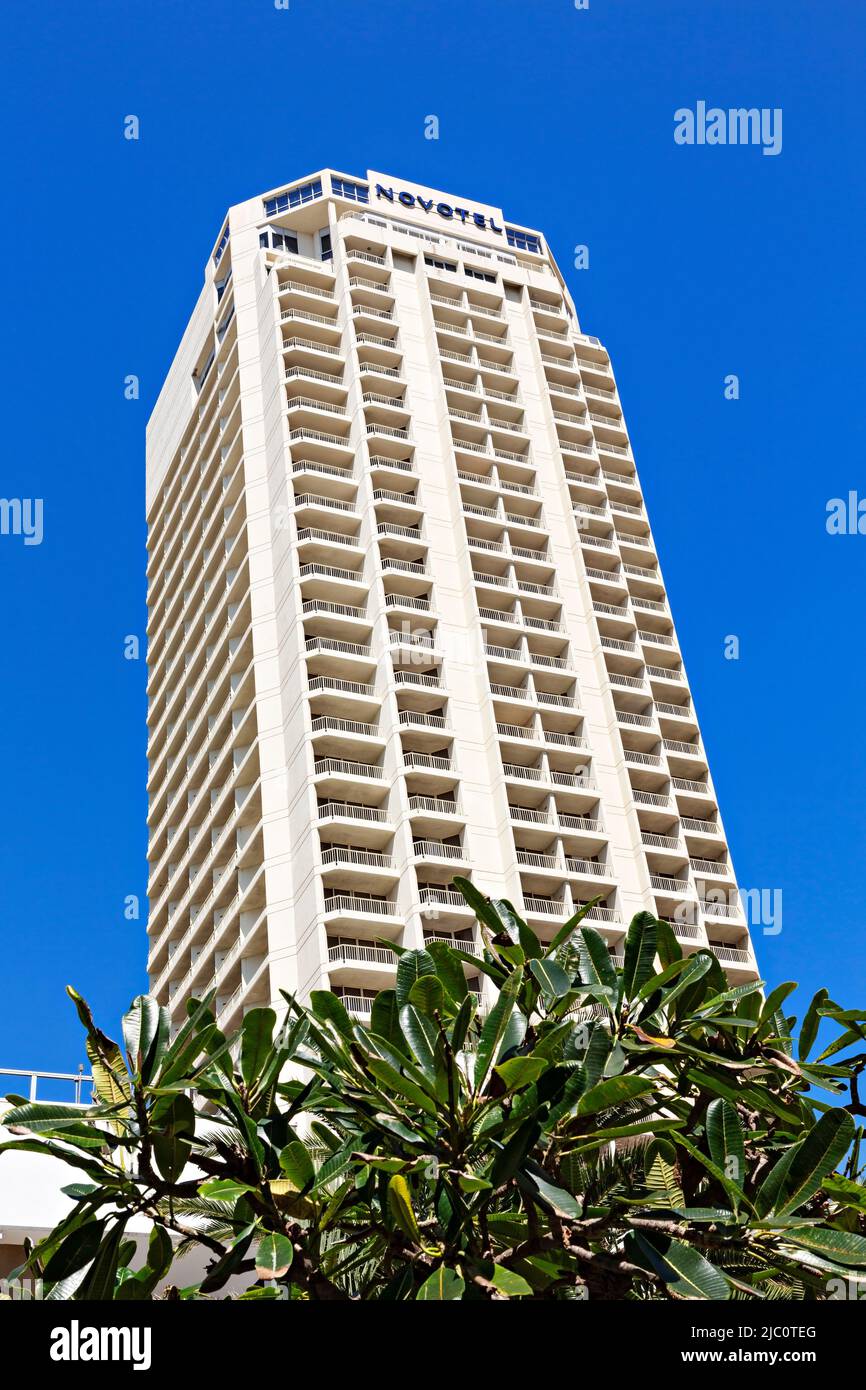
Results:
549 907
470 947
351 903
362 955
345 767
324 724
441 897
437 849
588 866
359 858
78 1081
677 886
347 810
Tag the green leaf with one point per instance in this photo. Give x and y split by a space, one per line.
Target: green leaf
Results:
509 1158
562 1202
469 1183
842 1246
657 982
228 1264
449 970
401 1209
517 928
767 1195
640 953
684 1271
385 1019
517 1072
668 948
552 979
110 1077
75 1251
481 906
296 1163
614 1091
771 1006
427 995
145 1035
420 1032
596 966
494 1028
64 1121
725 1140
509 1283
696 967
811 1024
570 926
815 1158
98 1287
257 1044
224 1189
274 1256
462 1020
443 1283
661 1174
172 1141
327 1007
394 1080
412 966
846 1192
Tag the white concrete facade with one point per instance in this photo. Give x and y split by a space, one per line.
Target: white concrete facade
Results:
406 618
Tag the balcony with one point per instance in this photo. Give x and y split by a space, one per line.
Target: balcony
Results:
438 902
334 696
334 777
345 957
344 866
347 810
534 859
456 943
335 621
338 737
537 906
334 657
421 731
360 909
588 868
439 849
430 814
358 1005
714 868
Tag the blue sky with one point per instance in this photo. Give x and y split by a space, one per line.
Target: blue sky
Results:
703 262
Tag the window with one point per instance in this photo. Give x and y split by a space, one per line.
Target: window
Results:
223 328
480 274
279 240
441 265
304 193
325 243
222 285
223 243
523 241
200 376
356 192
402 261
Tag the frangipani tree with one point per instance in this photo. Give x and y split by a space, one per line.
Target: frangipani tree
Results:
594 1132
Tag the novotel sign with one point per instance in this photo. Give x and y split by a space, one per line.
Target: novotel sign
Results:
446 210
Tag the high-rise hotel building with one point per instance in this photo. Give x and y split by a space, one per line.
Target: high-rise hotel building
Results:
406 616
